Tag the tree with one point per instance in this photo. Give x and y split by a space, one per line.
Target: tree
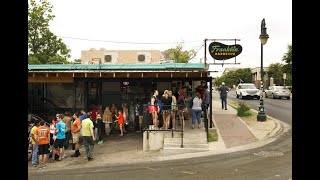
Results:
276 72
233 77
180 56
76 61
44 47
287 58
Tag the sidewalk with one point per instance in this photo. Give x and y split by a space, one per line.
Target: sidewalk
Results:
234 135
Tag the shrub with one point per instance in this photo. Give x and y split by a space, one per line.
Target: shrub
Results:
212 136
243 110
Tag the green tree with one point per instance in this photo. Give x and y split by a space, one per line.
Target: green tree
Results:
76 61
287 67
180 56
276 72
233 77
44 47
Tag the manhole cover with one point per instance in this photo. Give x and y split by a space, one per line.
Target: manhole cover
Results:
268 153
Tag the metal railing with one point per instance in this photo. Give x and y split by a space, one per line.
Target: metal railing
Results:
178 112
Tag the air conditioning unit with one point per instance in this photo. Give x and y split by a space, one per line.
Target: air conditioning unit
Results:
110 58
144 57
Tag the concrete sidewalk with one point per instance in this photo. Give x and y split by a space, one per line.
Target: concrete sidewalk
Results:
234 135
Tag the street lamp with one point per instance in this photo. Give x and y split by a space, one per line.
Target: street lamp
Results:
263 39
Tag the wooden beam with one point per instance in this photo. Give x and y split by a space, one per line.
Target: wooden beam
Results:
72 74
100 74
141 74
85 74
114 75
157 75
127 75
33 75
47 74
57 74
50 79
171 74
201 74
186 74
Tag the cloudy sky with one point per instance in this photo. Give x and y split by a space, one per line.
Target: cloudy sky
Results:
85 24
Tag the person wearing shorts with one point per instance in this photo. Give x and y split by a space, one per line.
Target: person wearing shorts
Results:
43 136
76 127
60 138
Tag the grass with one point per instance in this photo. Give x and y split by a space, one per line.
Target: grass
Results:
252 116
212 136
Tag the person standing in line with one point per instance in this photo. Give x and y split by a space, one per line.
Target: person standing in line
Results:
107 120
67 119
223 95
83 115
196 109
174 109
43 136
206 104
88 136
76 128
52 132
35 146
136 115
58 145
100 127
154 108
166 110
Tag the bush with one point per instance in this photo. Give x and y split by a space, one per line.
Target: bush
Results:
212 136
243 110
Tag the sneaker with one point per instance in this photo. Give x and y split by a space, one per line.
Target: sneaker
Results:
90 159
34 165
100 142
64 156
74 155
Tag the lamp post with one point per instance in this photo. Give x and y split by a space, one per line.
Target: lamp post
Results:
263 39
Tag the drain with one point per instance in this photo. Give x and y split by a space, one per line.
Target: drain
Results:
269 153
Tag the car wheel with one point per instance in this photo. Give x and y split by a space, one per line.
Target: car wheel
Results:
272 96
288 97
266 95
237 95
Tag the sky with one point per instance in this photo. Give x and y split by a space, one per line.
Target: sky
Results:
167 22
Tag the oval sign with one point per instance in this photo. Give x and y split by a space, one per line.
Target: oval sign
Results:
221 51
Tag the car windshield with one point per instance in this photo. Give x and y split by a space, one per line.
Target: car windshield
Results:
248 86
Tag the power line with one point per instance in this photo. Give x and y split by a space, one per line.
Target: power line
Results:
124 42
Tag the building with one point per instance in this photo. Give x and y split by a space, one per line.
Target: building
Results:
55 88
103 56
256 77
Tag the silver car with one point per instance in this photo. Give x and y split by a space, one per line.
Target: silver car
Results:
277 92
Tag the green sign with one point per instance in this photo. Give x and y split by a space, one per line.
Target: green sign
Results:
221 51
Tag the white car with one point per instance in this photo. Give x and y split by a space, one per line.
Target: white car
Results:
247 90
277 92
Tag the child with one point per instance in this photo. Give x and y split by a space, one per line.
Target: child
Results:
120 122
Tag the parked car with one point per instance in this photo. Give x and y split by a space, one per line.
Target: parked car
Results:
277 92
247 90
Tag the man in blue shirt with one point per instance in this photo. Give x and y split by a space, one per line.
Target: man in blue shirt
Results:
83 115
60 138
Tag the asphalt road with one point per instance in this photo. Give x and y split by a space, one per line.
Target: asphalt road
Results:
272 161
278 108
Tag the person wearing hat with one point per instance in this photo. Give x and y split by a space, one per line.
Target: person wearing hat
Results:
223 95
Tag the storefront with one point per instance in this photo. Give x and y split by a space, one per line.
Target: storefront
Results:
57 88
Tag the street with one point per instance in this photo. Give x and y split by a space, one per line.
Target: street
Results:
278 108
272 161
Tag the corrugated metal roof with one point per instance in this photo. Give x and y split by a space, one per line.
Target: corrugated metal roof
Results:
165 66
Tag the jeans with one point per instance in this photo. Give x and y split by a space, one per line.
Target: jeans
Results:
88 144
35 149
196 115
224 102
